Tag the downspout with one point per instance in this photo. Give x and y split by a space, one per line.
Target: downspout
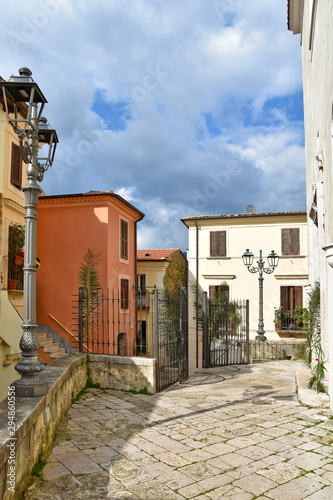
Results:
197 293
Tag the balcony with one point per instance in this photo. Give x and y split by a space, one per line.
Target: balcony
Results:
291 323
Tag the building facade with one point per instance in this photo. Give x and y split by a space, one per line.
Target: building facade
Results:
216 246
163 269
12 203
313 20
69 225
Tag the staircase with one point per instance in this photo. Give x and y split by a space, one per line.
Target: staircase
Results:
48 349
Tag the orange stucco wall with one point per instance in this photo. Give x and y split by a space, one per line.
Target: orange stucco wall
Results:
66 228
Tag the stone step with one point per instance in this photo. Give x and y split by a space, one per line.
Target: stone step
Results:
59 353
51 347
46 342
42 336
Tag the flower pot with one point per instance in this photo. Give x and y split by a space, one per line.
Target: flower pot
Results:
19 260
12 284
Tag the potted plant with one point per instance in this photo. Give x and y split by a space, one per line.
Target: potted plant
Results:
16 239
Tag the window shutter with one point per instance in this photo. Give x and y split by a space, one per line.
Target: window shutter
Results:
212 291
16 168
218 246
124 294
299 296
124 239
213 244
285 242
222 243
294 237
290 241
284 297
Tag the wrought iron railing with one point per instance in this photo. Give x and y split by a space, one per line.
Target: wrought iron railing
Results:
291 320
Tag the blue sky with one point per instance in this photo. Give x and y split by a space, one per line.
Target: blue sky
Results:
184 107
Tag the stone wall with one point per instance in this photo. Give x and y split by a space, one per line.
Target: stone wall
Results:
123 372
36 421
286 349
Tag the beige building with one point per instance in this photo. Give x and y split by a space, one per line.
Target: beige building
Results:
216 246
158 268
12 178
313 20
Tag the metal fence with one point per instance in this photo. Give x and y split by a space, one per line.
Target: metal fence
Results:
144 323
171 339
225 332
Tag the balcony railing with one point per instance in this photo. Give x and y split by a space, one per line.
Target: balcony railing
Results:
15 272
291 320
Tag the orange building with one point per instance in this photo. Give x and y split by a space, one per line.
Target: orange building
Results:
68 225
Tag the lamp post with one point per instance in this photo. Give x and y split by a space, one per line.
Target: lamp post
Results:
24 103
273 261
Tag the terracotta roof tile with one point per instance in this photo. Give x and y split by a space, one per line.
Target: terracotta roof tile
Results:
155 254
247 215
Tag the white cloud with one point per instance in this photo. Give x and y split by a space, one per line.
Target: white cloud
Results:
175 63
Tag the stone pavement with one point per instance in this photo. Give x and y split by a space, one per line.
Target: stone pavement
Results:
231 432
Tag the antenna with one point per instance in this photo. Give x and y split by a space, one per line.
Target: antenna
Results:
250 209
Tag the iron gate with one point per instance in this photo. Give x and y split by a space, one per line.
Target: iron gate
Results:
171 339
225 326
144 323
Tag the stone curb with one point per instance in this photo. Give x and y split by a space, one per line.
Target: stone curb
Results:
307 396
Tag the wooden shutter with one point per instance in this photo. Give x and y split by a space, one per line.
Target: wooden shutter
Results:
284 298
298 296
124 239
213 243
290 241
212 291
124 294
294 237
218 244
285 242
222 244
16 167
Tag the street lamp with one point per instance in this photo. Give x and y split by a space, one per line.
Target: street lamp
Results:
24 103
273 261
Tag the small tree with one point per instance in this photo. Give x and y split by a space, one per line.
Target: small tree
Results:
89 280
314 350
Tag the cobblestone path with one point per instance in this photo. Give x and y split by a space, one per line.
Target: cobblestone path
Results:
231 432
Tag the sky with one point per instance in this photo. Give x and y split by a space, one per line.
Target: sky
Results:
183 107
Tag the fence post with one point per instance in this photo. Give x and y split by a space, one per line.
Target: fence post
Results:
180 347
156 338
81 319
205 342
248 330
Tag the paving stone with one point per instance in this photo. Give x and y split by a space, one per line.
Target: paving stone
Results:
78 463
199 487
54 470
255 484
231 439
281 472
297 489
309 461
200 470
229 492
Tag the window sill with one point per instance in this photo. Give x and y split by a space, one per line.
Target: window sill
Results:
218 258
292 256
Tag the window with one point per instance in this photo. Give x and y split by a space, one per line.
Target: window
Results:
290 241
16 168
141 281
124 294
222 289
218 244
291 297
124 240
